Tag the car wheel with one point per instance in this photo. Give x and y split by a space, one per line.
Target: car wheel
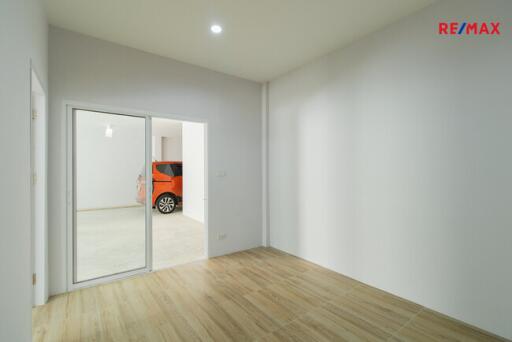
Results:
166 203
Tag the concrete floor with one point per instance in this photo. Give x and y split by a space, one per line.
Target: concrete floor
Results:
177 239
110 241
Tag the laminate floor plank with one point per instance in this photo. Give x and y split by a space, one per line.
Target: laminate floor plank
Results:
260 294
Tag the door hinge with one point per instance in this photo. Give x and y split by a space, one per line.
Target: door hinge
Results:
34 114
34 279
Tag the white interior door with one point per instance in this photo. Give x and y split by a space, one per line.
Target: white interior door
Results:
38 205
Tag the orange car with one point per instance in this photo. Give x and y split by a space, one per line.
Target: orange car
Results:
167 186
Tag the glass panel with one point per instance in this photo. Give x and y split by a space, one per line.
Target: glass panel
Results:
110 232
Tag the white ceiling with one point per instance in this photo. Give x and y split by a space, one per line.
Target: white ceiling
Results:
262 39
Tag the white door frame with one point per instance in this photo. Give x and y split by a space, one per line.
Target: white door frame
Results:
69 107
38 205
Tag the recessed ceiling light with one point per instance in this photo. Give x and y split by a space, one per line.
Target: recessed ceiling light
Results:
216 29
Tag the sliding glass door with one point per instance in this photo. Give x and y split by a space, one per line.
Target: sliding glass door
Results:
110 212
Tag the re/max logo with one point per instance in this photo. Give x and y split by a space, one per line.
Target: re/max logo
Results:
474 28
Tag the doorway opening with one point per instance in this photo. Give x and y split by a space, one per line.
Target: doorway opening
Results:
178 199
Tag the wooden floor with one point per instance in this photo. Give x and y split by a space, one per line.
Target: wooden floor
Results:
256 295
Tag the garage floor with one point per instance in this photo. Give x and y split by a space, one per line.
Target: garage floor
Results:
177 239
112 240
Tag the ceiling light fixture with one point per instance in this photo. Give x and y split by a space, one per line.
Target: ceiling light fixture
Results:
216 29
109 131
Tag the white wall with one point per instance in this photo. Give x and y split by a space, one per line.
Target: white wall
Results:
156 148
390 162
167 148
88 70
107 168
23 38
172 148
168 138
193 170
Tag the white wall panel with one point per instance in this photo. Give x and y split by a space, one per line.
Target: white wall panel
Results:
390 162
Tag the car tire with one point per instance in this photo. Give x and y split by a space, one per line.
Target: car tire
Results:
166 203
